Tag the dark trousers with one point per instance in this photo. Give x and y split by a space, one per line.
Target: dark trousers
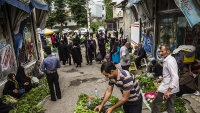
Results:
184 90
138 62
133 107
126 67
52 80
89 57
158 102
69 60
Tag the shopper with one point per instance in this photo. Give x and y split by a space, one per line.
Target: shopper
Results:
125 56
128 85
49 66
170 83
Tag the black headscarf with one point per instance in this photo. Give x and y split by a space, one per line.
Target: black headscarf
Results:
21 76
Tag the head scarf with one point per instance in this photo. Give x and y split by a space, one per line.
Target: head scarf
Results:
10 78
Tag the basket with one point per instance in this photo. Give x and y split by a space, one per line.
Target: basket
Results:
188 59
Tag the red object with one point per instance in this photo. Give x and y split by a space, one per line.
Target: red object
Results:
150 95
52 39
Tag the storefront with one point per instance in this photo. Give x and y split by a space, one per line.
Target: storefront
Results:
18 38
173 27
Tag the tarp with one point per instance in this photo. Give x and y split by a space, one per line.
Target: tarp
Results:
25 7
131 2
38 5
17 4
190 10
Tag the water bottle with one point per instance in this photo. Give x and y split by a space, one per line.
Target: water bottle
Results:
96 92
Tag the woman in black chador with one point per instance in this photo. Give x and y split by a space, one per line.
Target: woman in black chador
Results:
12 86
76 54
62 52
22 78
90 51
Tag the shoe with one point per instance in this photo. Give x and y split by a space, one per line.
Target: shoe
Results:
53 99
197 93
59 98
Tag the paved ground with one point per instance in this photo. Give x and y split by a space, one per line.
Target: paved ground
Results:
74 81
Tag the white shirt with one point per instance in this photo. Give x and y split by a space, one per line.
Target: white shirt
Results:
170 75
124 52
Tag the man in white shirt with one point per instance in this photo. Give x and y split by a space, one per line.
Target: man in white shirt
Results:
170 82
125 56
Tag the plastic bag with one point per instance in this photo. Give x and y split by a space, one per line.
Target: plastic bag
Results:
99 57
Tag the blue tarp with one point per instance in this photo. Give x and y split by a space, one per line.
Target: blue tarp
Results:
17 4
27 8
35 4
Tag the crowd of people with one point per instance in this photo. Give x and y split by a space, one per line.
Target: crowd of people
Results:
173 83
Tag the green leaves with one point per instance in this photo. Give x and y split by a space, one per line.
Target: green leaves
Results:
28 103
83 107
78 9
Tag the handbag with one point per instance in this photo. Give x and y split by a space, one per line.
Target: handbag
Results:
99 57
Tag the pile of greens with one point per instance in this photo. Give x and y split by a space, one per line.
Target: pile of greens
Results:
28 103
83 105
147 85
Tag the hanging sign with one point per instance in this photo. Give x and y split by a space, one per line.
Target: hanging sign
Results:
190 10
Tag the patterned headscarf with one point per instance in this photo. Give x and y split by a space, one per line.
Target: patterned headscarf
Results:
10 78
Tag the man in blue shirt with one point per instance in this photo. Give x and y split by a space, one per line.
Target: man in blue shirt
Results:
49 66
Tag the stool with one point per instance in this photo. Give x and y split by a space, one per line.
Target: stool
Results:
133 67
144 62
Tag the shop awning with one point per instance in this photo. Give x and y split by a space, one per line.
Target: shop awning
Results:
17 4
131 2
38 5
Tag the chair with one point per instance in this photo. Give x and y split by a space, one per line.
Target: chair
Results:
133 67
144 62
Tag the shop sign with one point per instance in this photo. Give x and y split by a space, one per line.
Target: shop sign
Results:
190 10
147 43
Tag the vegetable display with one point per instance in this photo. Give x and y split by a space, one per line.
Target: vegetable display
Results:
87 105
28 103
149 87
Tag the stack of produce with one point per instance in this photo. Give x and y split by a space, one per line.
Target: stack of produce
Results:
149 88
86 104
28 103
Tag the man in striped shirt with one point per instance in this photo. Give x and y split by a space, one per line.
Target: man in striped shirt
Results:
131 96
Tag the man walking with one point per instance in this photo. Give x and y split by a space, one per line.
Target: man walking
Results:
170 82
126 82
49 66
125 56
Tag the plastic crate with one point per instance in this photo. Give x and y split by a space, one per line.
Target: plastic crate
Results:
188 59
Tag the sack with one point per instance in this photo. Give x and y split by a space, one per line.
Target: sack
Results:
99 57
108 57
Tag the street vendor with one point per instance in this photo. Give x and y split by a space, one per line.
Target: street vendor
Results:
124 80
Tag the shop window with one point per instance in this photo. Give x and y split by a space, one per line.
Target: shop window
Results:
24 43
7 61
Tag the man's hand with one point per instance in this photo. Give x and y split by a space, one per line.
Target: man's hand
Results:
109 110
15 91
159 80
98 108
166 95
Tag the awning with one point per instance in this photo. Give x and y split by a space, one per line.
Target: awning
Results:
17 4
38 5
131 2
25 7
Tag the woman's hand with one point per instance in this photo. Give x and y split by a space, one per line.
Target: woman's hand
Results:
15 91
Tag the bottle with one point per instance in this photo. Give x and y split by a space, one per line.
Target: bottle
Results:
96 92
